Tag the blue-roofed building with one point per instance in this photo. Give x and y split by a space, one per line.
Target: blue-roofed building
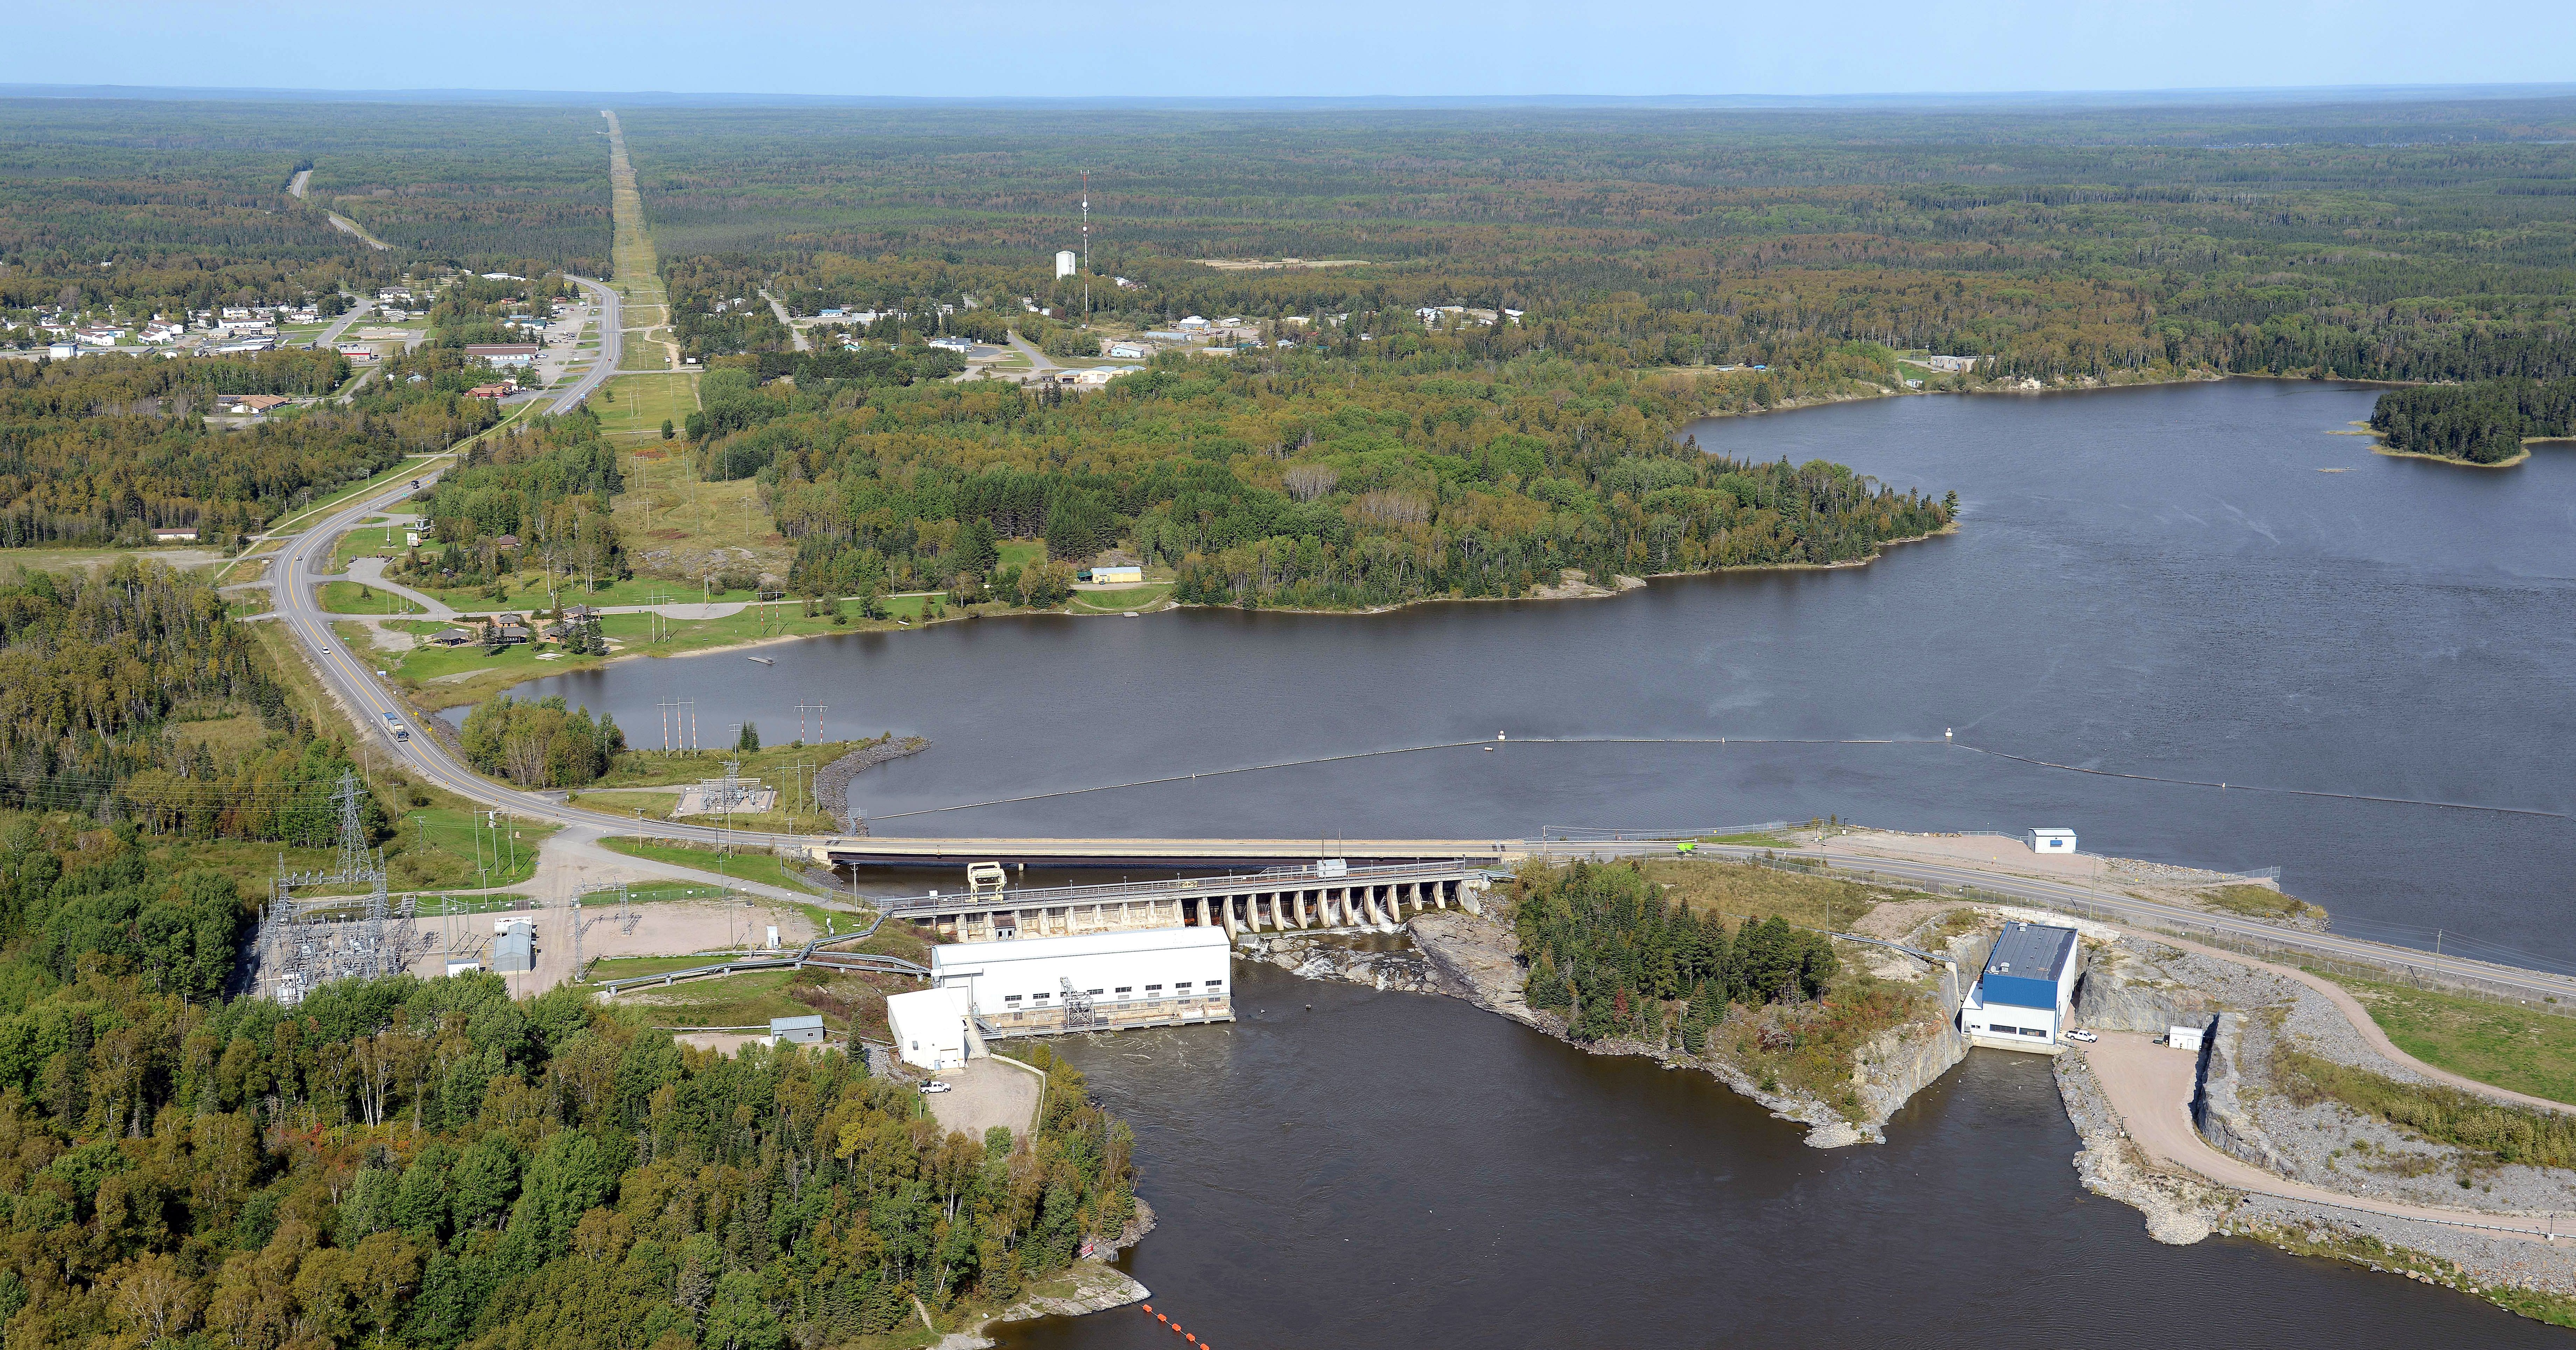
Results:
2022 998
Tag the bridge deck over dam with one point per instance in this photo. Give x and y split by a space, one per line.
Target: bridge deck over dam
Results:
1286 899
843 851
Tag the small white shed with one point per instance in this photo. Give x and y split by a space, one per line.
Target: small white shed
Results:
2183 1038
806 1030
930 1026
2052 840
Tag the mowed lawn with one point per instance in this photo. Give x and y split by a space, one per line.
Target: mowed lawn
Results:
2521 1048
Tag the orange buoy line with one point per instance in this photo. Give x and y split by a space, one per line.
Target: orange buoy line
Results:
1166 1320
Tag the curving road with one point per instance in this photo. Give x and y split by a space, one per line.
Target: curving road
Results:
612 346
351 679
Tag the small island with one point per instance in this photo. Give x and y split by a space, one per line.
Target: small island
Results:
2486 423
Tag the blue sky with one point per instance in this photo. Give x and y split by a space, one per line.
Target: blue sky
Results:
1091 48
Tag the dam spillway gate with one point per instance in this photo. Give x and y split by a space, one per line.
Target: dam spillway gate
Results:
1287 899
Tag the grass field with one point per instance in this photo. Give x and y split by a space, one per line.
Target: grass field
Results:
452 848
673 523
367 541
521 591
2521 1048
645 767
2257 902
759 867
65 559
349 597
1119 602
631 407
1740 890
1021 552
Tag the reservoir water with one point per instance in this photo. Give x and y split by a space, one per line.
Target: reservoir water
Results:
2198 582
2163 582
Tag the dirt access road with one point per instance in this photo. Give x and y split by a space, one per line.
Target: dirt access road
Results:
2152 1089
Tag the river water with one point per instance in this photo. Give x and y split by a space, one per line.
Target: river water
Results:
1391 1170
2157 581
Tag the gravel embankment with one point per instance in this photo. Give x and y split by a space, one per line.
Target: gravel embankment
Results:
832 781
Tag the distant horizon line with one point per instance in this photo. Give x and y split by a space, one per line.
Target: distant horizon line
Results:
2278 95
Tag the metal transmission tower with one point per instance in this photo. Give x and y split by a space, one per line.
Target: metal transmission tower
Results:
818 709
311 943
353 836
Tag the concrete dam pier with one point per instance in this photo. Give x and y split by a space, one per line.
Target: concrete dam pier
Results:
1322 897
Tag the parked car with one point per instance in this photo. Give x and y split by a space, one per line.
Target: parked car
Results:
2080 1034
934 1085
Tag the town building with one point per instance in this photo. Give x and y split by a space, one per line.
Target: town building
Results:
1126 351
2021 999
1097 981
502 353
1113 575
185 535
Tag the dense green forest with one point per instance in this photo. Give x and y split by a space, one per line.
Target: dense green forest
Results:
402 1162
2398 241
105 449
1305 482
158 205
110 682
2481 423
551 485
1609 955
407 1163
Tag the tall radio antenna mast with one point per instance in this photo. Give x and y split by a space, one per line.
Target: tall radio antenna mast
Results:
1086 243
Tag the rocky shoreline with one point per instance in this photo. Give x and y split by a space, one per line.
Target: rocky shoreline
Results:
1469 957
2132 983
832 781
1090 1285
2135 983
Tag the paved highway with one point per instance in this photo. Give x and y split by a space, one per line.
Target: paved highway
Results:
779 308
612 346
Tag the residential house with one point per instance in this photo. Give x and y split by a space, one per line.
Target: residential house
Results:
254 404
502 390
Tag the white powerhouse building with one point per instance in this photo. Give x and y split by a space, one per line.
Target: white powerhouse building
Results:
2021 999
1101 981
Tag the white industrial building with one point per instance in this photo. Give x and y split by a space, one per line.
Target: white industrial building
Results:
1067 262
933 1028
2022 998
1098 981
2052 840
